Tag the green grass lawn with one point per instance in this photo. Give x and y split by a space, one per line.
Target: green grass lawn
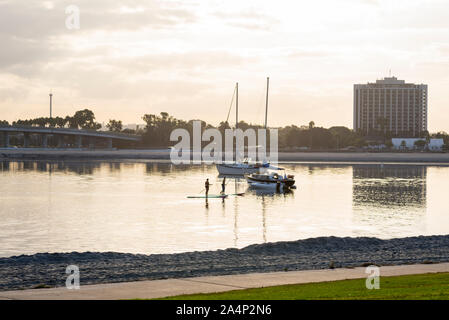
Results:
425 286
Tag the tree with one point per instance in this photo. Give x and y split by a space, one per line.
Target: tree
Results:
85 119
425 134
115 125
60 122
403 144
311 126
420 144
292 136
22 123
223 126
71 122
159 127
343 137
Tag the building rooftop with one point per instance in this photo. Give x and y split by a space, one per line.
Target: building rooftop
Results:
390 80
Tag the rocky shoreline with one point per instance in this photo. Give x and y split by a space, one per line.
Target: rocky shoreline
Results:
48 269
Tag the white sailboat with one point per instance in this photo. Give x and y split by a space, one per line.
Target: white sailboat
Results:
239 168
247 166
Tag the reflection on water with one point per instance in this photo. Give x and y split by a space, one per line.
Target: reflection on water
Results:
142 207
396 195
392 186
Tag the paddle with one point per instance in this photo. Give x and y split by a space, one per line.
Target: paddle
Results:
210 184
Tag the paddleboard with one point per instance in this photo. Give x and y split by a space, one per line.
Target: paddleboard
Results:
209 196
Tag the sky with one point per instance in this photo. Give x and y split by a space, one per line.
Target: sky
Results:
129 58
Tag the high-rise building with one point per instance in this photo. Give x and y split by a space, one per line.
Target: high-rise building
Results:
390 105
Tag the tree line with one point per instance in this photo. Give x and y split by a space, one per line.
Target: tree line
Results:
158 128
82 119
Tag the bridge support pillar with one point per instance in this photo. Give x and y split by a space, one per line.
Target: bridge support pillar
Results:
45 141
26 140
60 141
5 141
109 143
78 142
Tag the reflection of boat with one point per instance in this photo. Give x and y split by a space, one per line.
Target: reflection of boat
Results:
268 191
270 180
240 168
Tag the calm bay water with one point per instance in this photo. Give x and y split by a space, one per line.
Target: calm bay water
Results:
141 207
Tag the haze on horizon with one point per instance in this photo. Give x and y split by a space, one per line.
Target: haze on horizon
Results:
131 57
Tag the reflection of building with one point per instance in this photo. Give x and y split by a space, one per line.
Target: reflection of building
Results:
390 105
389 186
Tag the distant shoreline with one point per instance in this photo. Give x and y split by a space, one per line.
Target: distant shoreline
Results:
164 154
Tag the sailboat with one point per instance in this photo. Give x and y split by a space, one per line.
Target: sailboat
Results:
240 168
247 166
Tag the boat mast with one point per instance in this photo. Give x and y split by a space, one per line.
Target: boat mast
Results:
237 105
266 105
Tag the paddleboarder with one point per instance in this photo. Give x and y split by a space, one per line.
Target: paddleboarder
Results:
223 185
206 185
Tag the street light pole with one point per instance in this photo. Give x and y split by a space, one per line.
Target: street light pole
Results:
51 98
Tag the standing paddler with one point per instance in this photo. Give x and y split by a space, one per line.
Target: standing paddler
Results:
223 185
206 185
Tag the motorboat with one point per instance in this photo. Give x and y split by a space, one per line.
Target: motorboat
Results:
271 179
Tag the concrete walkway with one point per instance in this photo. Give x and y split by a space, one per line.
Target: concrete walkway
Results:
172 287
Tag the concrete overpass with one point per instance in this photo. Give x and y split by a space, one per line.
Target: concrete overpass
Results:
60 133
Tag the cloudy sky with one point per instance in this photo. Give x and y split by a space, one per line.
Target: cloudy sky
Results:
134 57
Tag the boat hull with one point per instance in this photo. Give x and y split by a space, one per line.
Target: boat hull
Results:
225 169
264 185
258 183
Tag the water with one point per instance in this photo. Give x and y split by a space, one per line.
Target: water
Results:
141 207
